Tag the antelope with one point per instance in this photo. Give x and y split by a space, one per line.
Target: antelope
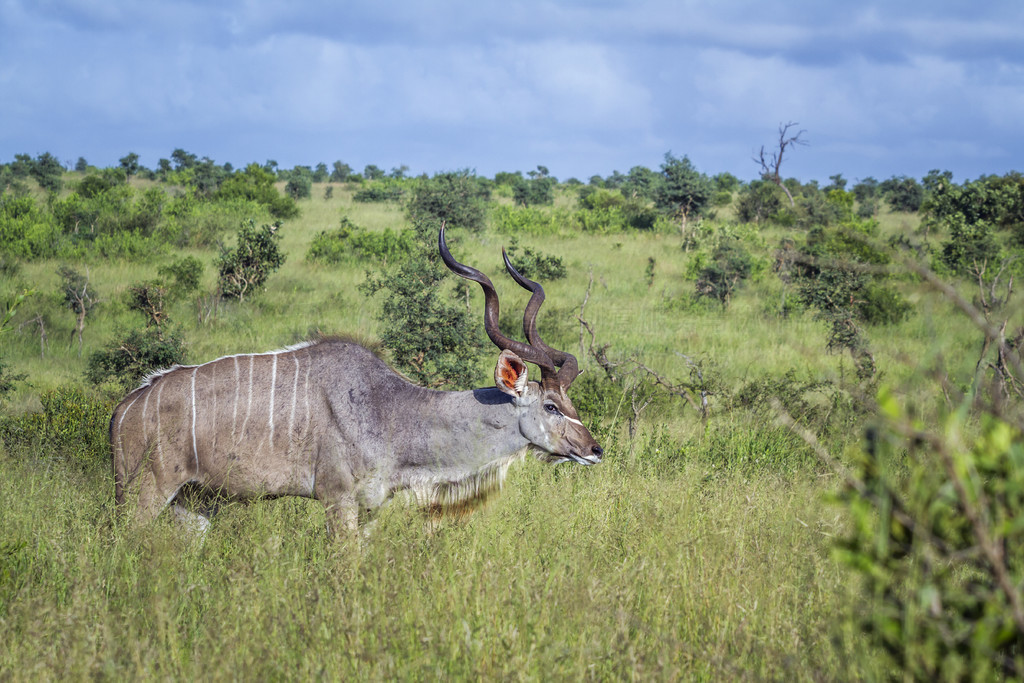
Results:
329 420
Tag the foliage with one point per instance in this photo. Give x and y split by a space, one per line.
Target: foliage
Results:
535 265
759 201
832 278
458 199
937 540
531 220
432 337
604 211
721 275
25 232
300 183
185 275
684 191
148 298
903 193
536 191
48 172
78 297
127 360
244 271
380 191
72 426
351 240
256 184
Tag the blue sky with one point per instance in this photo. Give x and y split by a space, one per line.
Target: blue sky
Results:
584 88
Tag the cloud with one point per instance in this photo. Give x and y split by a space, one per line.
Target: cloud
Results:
582 87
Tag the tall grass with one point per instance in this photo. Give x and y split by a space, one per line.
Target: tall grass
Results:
656 565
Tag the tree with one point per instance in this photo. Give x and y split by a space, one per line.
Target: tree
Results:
459 199
341 172
772 163
537 190
320 174
730 265
255 183
148 298
683 191
300 183
129 359
81 166
48 171
432 336
372 172
78 297
903 193
641 183
183 160
244 270
130 165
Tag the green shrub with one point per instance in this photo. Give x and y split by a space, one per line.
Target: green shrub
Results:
728 267
72 426
256 184
351 241
531 220
459 199
535 265
937 539
127 361
381 191
244 270
185 274
432 337
25 231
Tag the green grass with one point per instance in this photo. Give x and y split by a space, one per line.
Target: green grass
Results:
652 566
699 550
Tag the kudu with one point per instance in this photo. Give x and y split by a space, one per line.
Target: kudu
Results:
329 420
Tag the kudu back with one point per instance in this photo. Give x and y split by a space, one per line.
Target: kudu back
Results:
331 421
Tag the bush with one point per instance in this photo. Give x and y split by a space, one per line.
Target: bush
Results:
382 191
459 199
127 361
534 264
256 184
533 192
432 337
351 241
937 540
72 425
727 269
515 220
185 274
243 271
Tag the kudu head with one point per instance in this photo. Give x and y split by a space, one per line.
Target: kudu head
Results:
547 418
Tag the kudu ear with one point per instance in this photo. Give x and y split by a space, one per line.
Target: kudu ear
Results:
510 374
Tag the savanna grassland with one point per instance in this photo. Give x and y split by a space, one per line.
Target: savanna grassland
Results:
703 547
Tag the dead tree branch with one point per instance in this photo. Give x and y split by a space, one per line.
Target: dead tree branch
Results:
772 163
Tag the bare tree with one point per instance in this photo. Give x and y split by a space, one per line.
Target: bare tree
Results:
77 297
771 163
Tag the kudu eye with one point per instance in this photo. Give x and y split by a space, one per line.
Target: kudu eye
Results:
552 408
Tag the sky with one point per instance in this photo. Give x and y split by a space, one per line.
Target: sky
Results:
879 88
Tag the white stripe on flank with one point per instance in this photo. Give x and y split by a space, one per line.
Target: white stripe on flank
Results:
273 386
234 415
295 397
195 450
248 406
145 424
159 437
